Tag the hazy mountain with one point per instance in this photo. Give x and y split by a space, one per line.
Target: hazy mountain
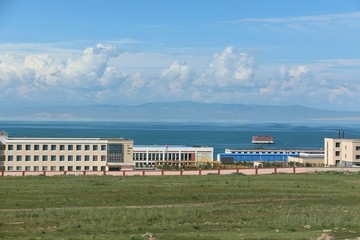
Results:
179 111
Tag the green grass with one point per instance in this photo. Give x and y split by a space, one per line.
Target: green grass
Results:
180 207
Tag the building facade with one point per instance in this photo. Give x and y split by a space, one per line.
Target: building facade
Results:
262 155
153 156
343 152
65 154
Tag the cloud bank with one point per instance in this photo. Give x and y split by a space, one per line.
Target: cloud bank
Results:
230 76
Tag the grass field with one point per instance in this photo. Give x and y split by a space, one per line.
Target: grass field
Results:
281 206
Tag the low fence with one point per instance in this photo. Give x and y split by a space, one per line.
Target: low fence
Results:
244 171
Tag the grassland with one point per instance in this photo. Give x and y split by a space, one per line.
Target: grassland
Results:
280 206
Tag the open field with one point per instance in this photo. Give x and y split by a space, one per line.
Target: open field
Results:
275 206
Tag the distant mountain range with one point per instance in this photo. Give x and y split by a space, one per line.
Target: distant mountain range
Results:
178 112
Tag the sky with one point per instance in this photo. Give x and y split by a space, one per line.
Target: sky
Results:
129 52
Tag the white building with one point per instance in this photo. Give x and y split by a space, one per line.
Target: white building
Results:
151 156
344 152
65 154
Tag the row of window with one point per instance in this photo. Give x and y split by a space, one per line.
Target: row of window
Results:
53 147
265 152
162 156
55 168
54 158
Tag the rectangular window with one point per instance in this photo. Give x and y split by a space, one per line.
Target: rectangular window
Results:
337 153
78 158
95 147
10 147
18 147
87 147
337 144
103 168
36 147
62 168
36 158
27 168
70 158
28 148
10 158
18 168
70 168
103 158
36 168
95 168
70 147
18 158
62 147
27 158
87 168
357 148
45 158
45 147
53 147
53 158
53 168
95 158
44 168
62 158
87 158
103 147
78 147
78 168
10 168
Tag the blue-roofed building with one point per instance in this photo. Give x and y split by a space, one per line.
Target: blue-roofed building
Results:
231 156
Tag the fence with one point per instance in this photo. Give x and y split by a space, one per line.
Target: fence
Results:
245 171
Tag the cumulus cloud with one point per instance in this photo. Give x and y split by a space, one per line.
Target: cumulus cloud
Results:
176 76
228 68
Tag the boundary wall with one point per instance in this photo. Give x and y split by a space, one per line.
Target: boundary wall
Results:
244 171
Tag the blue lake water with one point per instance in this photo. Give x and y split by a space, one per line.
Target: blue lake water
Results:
219 136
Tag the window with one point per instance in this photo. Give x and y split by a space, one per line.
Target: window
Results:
337 144
27 168
115 153
87 168
45 158
78 168
103 168
62 168
53 158
95 147
70 168
18 168
45 147
18 158
27 158
36 158
357 148
44 168
62 147
53 168
337 153
10 168
36 147
36 168
103 158
10 158
62 158
87 158
103 147
95 158
53 147
10 147
18 147
78 158
70 147
95 168
87 147
28 148
70 158
78 147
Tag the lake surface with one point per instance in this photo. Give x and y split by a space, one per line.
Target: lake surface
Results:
219 136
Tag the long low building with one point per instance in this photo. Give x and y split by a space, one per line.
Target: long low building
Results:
262 155
65 154
152 156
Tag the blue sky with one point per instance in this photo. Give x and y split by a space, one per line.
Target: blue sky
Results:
130 52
